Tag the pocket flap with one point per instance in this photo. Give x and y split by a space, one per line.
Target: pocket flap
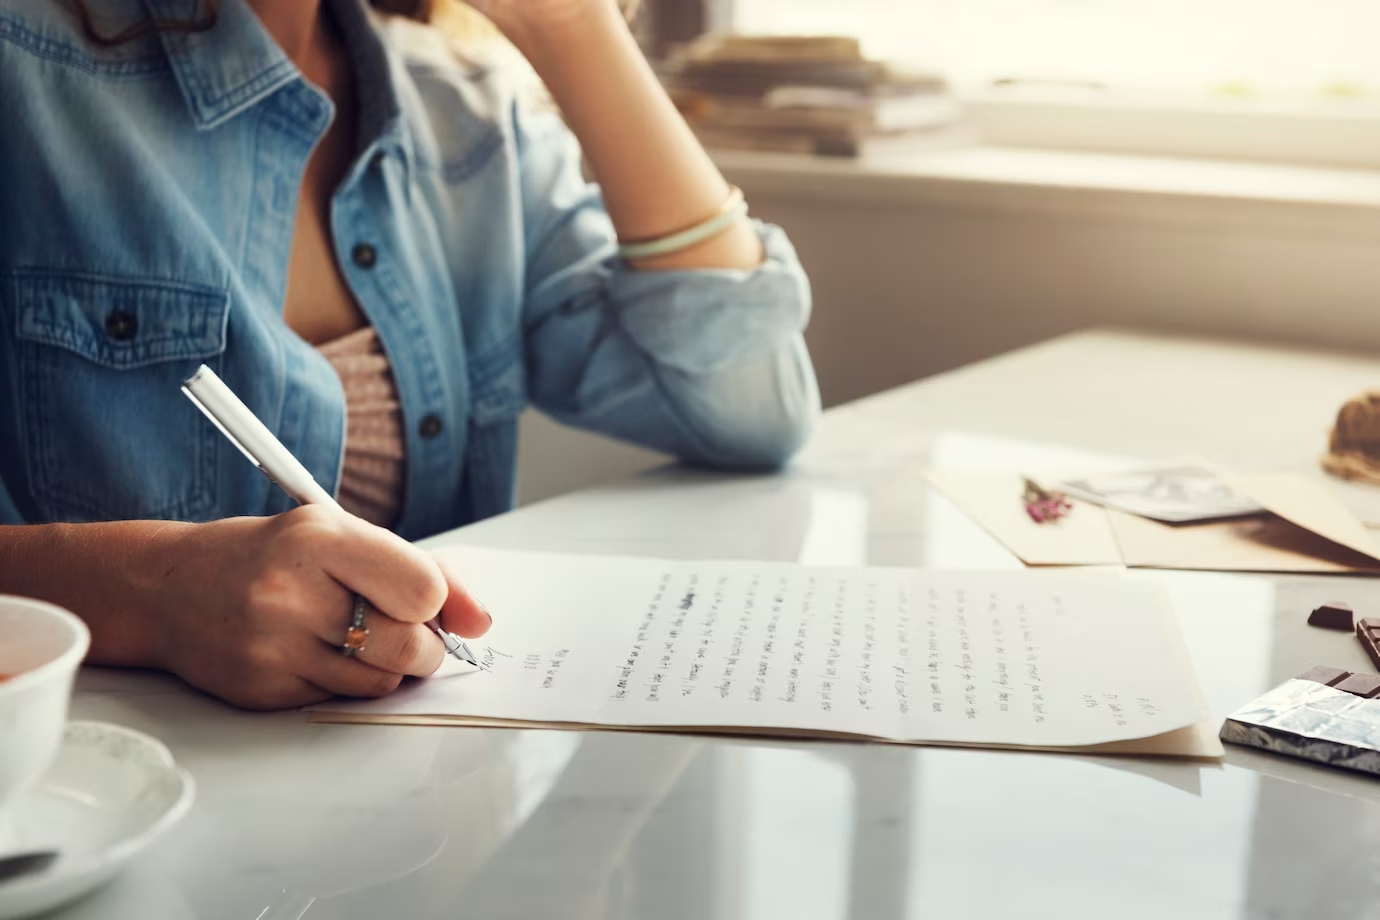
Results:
121 322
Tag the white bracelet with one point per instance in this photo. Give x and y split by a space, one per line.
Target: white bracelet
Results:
733 210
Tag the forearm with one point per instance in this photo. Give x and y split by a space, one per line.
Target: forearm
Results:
104 573
655 176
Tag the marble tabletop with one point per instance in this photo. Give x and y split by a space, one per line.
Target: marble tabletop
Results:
299 820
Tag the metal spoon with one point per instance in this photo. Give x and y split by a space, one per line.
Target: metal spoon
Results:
11 867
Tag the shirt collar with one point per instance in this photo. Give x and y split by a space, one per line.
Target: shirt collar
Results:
232 67
224 70
377 71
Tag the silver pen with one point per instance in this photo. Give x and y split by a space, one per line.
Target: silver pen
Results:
255 441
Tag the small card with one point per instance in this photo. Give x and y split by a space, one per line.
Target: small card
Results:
1175 494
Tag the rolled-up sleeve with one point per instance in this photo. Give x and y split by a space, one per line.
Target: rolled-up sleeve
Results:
708 365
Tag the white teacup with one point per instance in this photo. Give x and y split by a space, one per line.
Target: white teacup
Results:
41 646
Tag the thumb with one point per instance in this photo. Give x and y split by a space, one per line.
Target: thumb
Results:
462 613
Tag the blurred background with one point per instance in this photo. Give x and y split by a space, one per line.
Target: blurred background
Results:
964 177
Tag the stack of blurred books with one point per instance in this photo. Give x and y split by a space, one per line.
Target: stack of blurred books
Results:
805 94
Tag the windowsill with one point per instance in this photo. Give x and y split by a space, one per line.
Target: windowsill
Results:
1265 198
1329 132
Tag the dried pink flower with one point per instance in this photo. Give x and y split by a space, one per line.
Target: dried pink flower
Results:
1044 505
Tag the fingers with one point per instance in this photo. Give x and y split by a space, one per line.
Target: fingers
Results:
312 562
400 648
461 613
400 580
262 612
341 676
284 692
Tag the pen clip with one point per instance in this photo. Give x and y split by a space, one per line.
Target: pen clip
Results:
223 430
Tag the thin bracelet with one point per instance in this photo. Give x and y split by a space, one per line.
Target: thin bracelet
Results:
733 210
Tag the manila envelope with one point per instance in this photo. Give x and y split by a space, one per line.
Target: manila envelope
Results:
1306 531
993 500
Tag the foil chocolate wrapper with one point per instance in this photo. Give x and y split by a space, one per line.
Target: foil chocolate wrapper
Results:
1300 718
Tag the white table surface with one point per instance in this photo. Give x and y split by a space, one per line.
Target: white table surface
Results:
296 820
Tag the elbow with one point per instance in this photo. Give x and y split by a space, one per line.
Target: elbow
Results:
761 427
771 446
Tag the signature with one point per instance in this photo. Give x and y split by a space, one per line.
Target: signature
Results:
489 656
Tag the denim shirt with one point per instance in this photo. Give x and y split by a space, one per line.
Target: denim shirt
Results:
148 196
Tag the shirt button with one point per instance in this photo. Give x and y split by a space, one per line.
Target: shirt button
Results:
364 255
430 427
121 325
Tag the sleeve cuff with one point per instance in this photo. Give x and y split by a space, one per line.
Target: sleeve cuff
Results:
698 320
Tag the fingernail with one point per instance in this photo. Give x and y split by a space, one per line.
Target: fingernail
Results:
485 610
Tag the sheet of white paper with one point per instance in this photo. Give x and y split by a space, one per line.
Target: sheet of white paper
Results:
900 654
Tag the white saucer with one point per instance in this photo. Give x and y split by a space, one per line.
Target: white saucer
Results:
110 791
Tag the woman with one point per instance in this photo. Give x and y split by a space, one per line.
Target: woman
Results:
329 208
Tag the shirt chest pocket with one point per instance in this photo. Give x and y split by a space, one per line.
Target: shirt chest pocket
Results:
109 434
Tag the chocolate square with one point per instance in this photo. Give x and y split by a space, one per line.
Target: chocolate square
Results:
1332 615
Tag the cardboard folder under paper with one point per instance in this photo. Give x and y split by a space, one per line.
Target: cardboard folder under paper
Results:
1306 530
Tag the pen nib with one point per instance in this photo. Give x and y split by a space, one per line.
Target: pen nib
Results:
460 649
467 655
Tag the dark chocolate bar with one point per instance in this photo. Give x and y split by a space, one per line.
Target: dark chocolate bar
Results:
1368 631
1366 686
1332 615
1353 682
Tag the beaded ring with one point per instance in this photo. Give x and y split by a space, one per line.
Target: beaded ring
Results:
356 633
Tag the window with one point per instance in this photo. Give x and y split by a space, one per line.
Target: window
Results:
1283 80
1280 48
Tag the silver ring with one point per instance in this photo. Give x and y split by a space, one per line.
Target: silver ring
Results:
356 634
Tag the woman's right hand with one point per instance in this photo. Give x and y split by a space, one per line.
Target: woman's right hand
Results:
254 610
